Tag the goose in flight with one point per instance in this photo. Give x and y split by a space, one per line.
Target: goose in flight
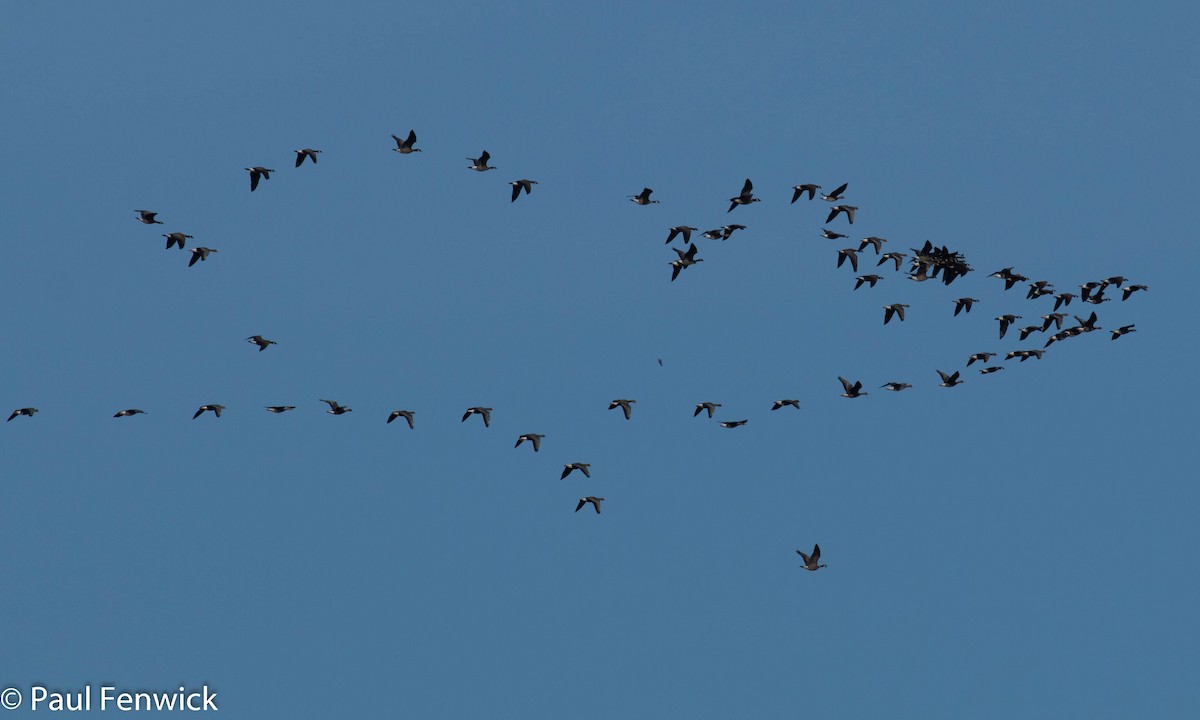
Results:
570 467
480 164
809 188
744 198
308 153
484 412
519 185
214 409
533 438
643 198
595 501
810 561
335 408
146 216
256 173
405 146
836 194
623 404
261 342
851 390
406 414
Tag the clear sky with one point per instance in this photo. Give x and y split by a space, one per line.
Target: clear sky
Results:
1018 546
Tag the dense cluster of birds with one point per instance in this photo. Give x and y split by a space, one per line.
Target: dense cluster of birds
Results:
925 263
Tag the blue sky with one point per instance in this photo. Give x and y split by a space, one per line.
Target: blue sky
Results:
1016 546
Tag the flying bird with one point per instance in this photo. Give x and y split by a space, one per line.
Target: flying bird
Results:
643 198
200 254
875 242
533 438
709 406
306 153
836 194
991 369
983 357
335 408
279 408
964 303
784 403
595 501
405 146
851 391
894 308
581 467
1123 330
896 257
519 185
256 173
260 341
480 163
810 561
176 238
1005 321
685 231
805 188
836 209
623 404
215 409
831 235
1063 299
744 198
896 386
949 380
147 217
848 253
872 279
27 412
1131 289
484 412
406 414
130 413
733 423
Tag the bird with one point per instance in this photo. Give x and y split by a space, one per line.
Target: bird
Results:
836 194
306 153
805 188
1097 297
744 198
146 216
623 404
709 406
279 408
727 230
848 209
1009 277
1025 331
1063 299
643 198
1131 289
1039 288
733 423
1089 324
595 501
256 173
685 231
896 257
991 369
485 412
406 414
581 467
686 259
533 438
896 308
872 279
831 235
176 238
519 185
964 303
215 409
783 403
480 164
810 561
1085 290
129 413
1005 321
852 391
848 253
875 242
949 380
260 341
27 412
335 408
405 146
200 254
895 386
1052 318
983 357
1117 280
1123 330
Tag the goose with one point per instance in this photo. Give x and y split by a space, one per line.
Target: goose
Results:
784 403
1085 290
484 412
727 230
805 188
1026 354
964 303
983 357
1038 289
733 423
949 380
990 370
279 408
851 391
1028 329
850 253
215 409
623 404
129 413
1009 277
810 561
1089 324
405 146
1063 299
894 308
896 257
1131 289
200 254
875 242
872 279
709 406
686 259
27 412
581 467
1053 318
257 172
744 198
335 408
836 209
836 194
895 386
406 414
718 234
686 232
519 185
306 153
1097 297
1117 280
831 235
595 501
176 238
147 217
480 164
533 438
260 341
1123 330
643 198
1005 321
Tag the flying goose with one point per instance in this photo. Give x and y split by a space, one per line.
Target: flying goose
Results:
1131 289
1085 290
1063 299
805 188
279 408
1005 321
810 561
406 414
1089 324
480 164
872 279
215 409
1123 330
896 386
896 257
176 237
581 467
949 380
257 172
964 303
744 198
519 185
485 412
709 406
831 235
983 357
1053 318
643 198
1039 288
260 341
130 413
727 230
733 423
686 259
851 391
1025 331
200 254
623 404
991 369
848 253
894 308
848 209
405 146
1117 280
1009 277
147 217
875 242
335 408
533 438
836 194
306 153
595 501
686 232
27 412
783 403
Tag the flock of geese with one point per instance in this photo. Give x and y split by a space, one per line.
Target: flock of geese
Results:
926 263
